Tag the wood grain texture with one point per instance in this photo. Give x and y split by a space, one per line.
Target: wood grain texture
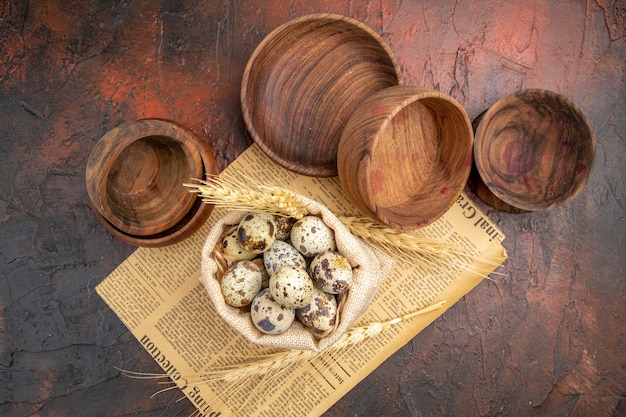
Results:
135 175
534 150
544 337
302 83
405 155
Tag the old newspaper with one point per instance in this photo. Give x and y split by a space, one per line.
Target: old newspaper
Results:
157 294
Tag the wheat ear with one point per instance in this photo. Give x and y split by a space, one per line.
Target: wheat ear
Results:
282 360
404 245
245 194
260 372
409 246
288 359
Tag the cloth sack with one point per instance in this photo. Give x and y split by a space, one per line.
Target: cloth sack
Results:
370 267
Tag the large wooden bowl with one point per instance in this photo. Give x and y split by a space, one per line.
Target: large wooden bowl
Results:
135 175
534 150
405 155
302 83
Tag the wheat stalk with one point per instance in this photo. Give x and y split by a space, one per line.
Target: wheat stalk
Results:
274 363
245 194
258 373
250 378
404 245
410 246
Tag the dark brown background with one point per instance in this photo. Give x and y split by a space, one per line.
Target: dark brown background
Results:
547 338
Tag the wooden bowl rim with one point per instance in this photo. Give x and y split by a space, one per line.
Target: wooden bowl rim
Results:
125 135
421 93
506 203
293 165
197 215
415 94
430 94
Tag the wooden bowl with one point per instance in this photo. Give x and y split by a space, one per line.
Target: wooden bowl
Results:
302 83
534 150
135 177
405 155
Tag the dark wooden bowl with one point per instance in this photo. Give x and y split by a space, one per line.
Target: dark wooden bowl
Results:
405 155
533 151
302 83
135 177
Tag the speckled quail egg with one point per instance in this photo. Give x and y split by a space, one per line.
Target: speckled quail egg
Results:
321 313
311 236
283 226
231 249
264 274
269 316
331 272
282 253
256 232
291 286
241 283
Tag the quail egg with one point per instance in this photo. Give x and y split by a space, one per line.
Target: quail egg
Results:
331 272
321 313
256 232
283 226
232 250
311 236
291 286
269 316
241 283
282 253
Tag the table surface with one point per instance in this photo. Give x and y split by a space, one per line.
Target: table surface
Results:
546 337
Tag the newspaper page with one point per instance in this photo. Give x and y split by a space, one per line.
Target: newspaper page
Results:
158 296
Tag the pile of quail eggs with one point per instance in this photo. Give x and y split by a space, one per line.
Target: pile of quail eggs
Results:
285 270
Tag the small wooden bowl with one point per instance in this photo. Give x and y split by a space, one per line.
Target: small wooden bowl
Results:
302 83
534 150
135 177
405 155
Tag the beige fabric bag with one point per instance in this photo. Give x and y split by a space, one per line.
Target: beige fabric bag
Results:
370 267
